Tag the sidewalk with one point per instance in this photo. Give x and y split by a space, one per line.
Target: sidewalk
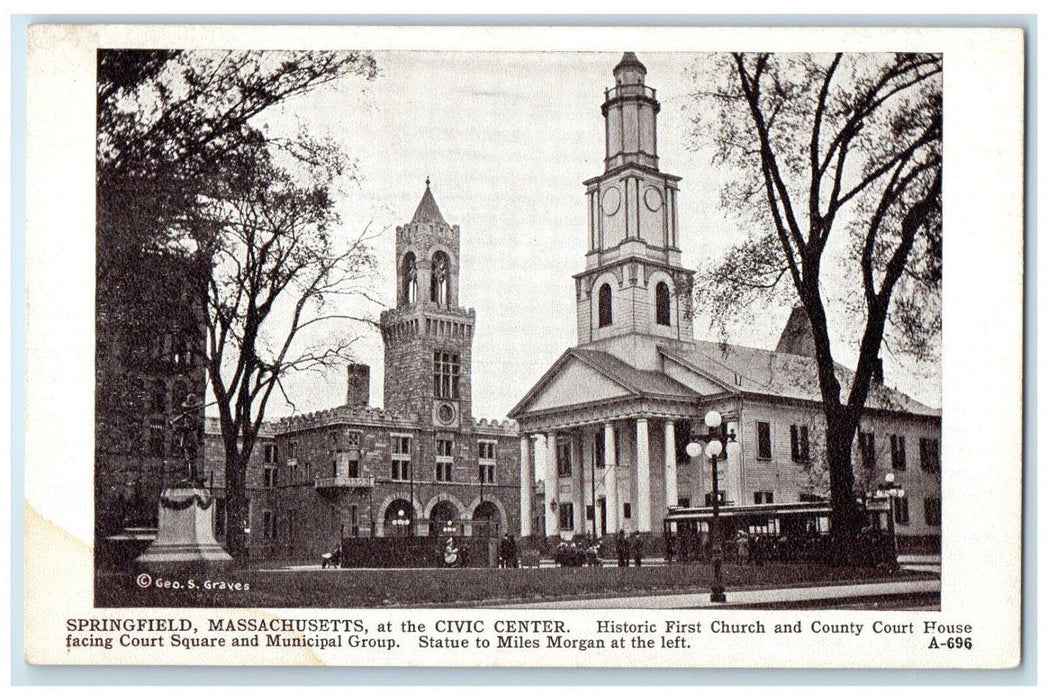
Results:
756 598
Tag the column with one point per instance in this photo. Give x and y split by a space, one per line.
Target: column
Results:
552 486
733 470
527 485
643 478
611 487
578 485
671 464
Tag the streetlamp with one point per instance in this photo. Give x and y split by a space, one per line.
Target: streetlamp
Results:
891 490
401 521
713 450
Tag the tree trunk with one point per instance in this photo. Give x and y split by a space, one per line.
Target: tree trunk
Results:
236 506
840 433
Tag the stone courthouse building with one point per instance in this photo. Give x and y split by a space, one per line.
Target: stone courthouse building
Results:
422 463
604 430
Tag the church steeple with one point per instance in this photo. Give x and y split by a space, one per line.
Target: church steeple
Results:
633 283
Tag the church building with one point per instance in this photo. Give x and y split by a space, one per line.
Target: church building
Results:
604 431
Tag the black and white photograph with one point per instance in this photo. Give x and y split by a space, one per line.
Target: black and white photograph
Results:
618 330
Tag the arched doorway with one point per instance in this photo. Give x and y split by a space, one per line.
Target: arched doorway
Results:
486 520
397 519
442 519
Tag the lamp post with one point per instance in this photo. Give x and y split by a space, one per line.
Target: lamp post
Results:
713 449
891 490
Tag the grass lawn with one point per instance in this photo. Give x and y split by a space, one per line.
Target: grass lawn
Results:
353 588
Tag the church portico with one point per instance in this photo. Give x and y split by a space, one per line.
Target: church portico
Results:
608 466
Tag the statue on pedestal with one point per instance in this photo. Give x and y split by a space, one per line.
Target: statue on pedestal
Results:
189 426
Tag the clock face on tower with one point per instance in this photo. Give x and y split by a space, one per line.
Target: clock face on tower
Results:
445 413
611 200
653 199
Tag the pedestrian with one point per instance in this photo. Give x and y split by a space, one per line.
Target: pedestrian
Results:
636 548
757 550
513 560
742 544
622 548
503 551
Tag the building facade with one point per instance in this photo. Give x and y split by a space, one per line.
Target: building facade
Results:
604 431
148 360
421 465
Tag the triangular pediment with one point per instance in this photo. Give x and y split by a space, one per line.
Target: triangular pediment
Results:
575 383
570 382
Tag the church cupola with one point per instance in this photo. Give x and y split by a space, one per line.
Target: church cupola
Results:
629 117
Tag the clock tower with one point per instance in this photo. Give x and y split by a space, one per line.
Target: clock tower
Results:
428 337
633 284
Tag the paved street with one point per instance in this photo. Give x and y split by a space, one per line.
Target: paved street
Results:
756 598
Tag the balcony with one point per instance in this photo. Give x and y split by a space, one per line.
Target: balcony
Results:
344 482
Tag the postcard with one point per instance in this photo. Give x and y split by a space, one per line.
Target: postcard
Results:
517 346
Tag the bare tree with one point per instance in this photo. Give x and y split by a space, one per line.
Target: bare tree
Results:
838 168
278 271
181 158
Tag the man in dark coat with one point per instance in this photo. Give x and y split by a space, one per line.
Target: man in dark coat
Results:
636 548
512 559
622 548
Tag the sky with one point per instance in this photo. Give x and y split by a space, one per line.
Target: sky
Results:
507 140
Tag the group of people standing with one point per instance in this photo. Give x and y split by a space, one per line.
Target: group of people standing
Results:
626 549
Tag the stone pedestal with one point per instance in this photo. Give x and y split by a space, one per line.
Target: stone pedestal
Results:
185 539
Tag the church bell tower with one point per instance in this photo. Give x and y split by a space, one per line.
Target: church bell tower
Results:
633 284
428 337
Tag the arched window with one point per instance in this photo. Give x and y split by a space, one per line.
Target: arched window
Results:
438 280
662 304
409 277
604 306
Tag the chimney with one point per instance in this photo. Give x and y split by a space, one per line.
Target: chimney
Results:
878 371
358 385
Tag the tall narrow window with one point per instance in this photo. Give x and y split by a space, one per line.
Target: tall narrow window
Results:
763 440
269 452
438 280
400 453
662 304
598 449
799 443
898 453
566 516
932 511
929 454
901 506
445 461
409 276
486 461
867 451
446 371
159 396
604 306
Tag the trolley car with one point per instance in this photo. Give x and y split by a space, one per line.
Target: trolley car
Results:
777 532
